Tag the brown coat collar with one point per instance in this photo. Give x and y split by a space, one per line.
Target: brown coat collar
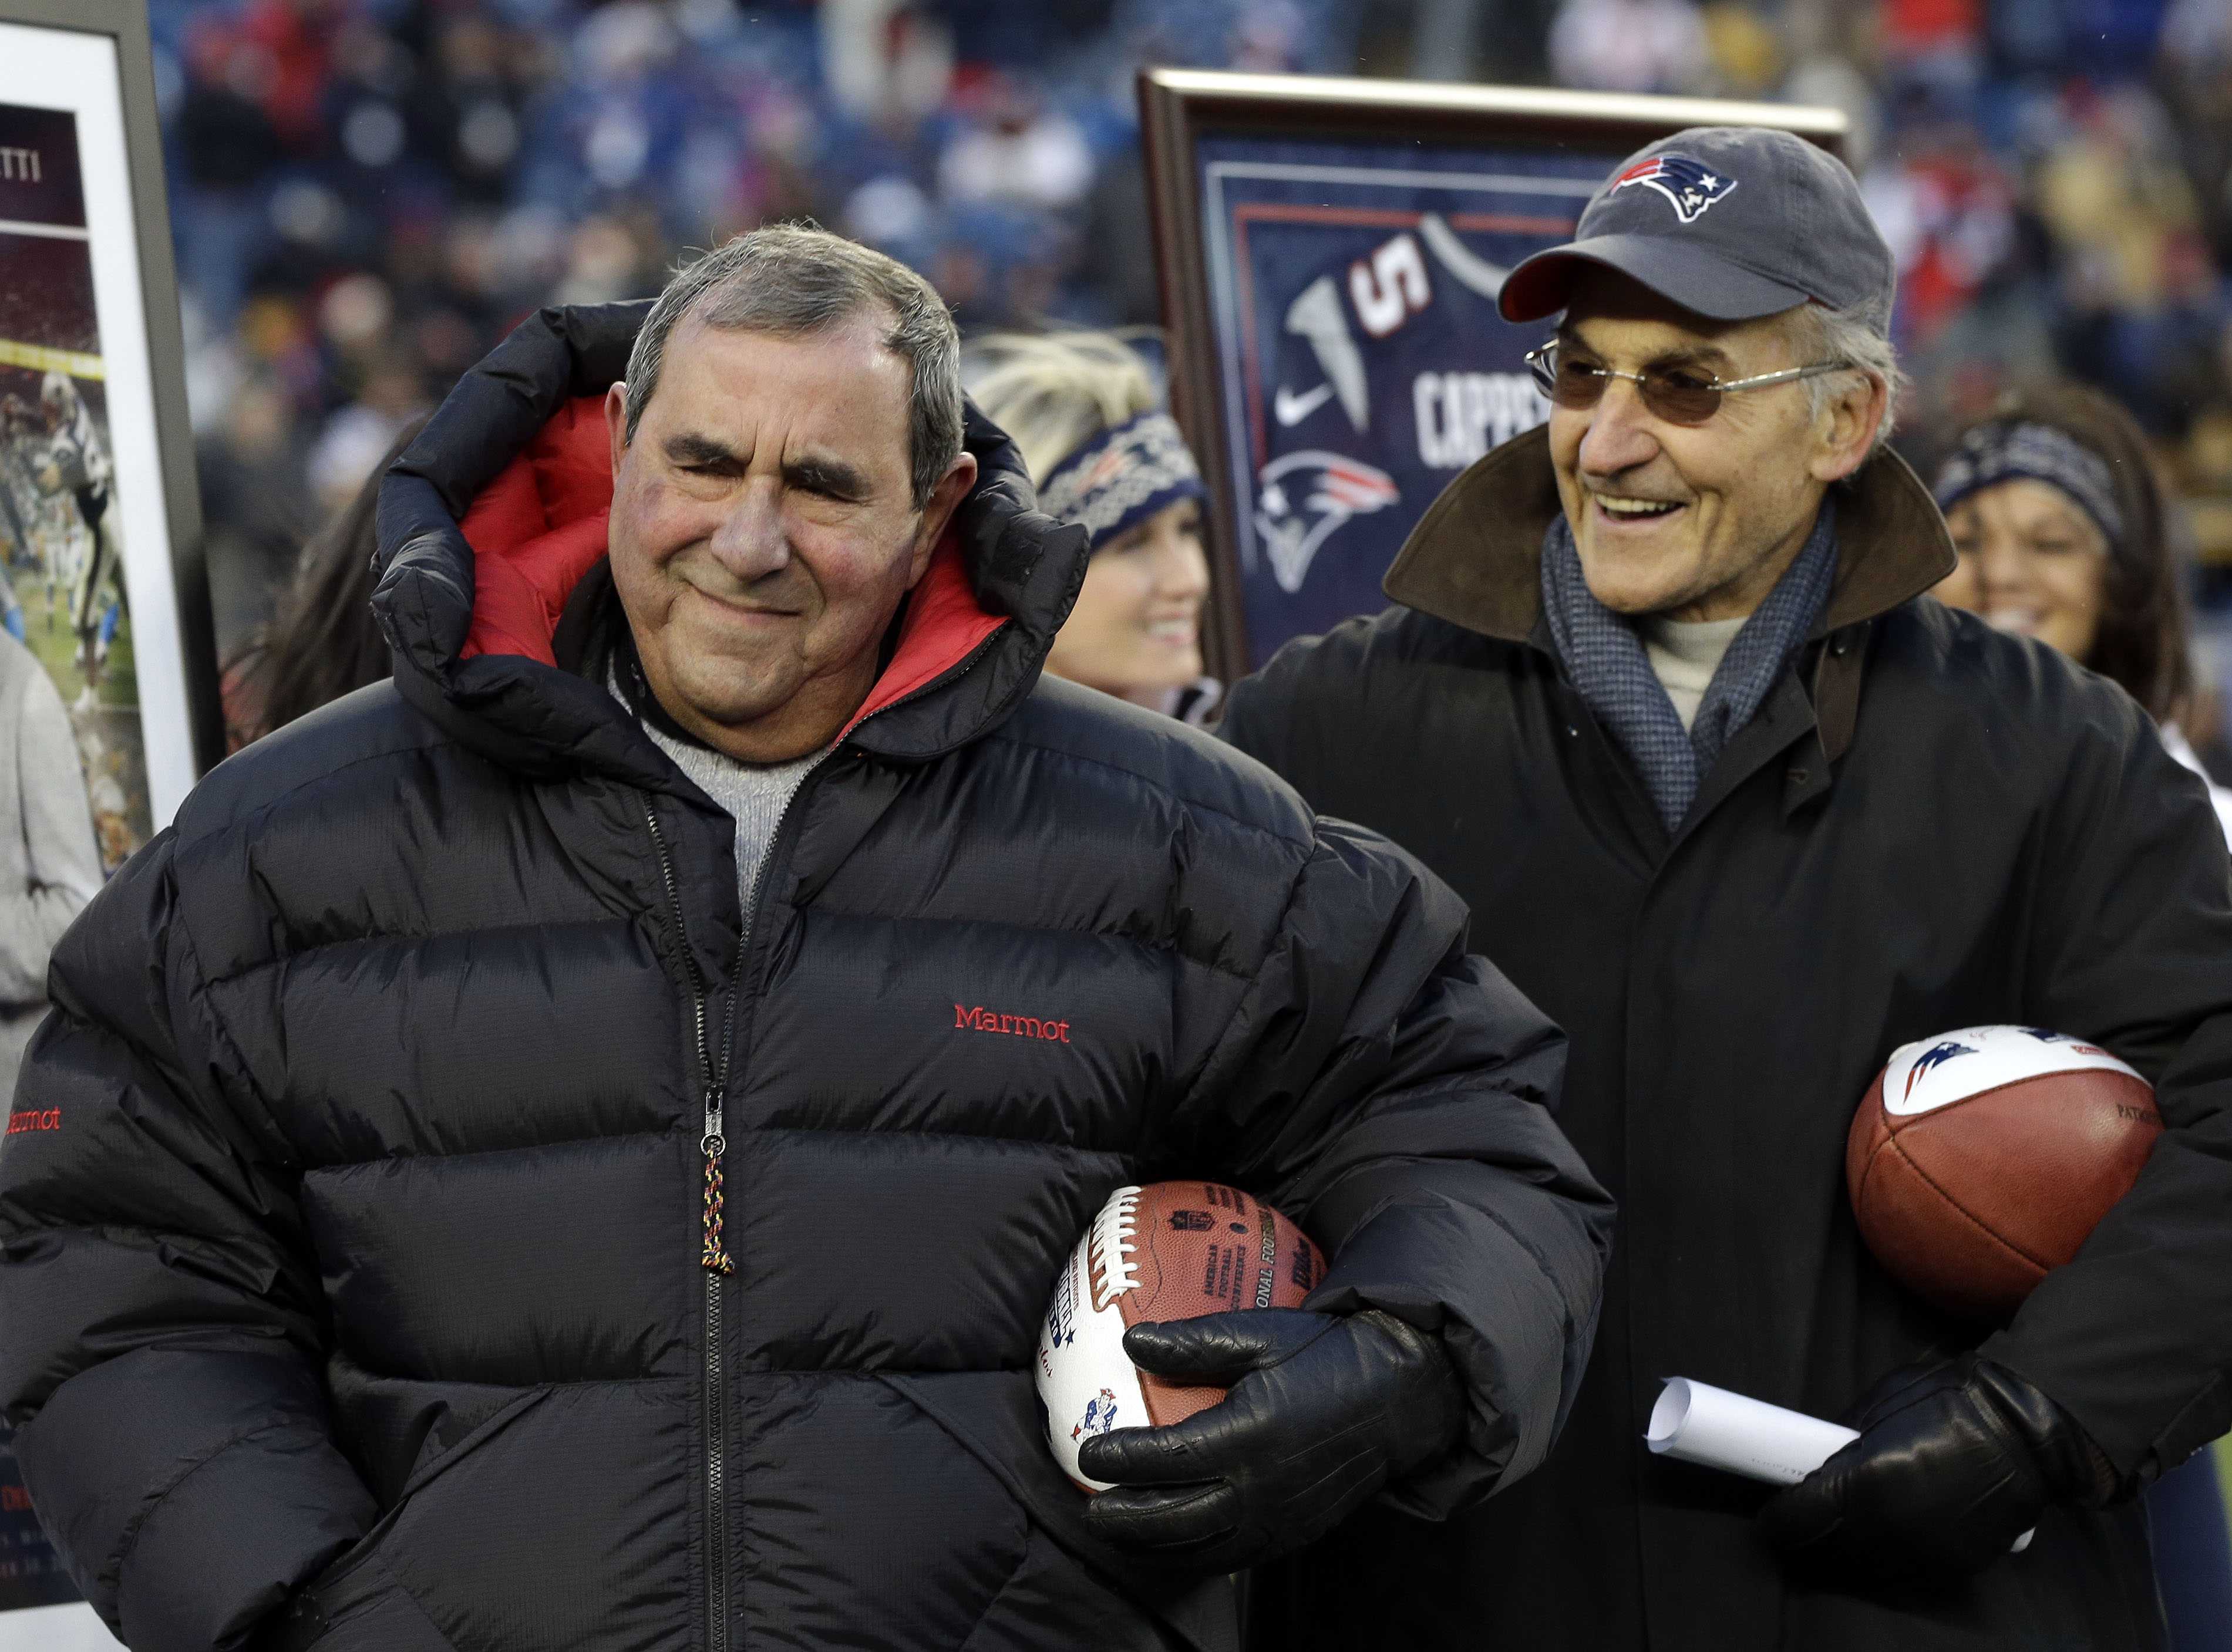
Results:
1475 559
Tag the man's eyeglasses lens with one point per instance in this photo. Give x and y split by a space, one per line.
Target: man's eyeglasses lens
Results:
1676 395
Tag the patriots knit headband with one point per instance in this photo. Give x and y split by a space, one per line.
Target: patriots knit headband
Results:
2004 450
1122 476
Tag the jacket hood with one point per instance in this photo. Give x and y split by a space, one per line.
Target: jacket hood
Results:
1475 557
494 516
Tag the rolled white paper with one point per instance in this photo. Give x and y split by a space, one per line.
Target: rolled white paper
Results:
1699 1423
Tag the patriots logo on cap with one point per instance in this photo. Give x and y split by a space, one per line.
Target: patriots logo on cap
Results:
1690 186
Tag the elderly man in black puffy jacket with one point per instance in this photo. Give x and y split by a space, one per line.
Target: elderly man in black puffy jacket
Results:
527 1175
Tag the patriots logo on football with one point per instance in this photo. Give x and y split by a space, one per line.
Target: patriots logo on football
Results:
1937 1056
1302 498
1690 186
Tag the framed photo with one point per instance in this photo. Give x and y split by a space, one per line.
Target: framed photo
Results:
98 502
108 692
1330 252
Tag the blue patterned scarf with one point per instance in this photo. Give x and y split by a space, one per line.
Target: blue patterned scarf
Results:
1606 659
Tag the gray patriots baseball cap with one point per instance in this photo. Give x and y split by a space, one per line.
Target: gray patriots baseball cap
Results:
1728 222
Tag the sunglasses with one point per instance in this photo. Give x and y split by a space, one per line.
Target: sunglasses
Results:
1679 395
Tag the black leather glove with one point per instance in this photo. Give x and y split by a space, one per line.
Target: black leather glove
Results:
1324 1409
1955 1461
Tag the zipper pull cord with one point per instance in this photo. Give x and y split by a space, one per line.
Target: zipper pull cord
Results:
714 1257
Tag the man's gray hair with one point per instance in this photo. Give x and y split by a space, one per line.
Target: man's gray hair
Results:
796 281
1855 338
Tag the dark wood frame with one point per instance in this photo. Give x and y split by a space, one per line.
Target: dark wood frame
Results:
1178 107
126 22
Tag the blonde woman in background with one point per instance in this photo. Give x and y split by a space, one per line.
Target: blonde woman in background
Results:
1083 409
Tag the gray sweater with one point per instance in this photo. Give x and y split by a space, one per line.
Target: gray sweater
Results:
755 794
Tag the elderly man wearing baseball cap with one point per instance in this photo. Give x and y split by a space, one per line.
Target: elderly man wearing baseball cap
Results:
1661 695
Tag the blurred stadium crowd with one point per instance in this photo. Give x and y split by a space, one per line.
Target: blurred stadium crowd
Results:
367 193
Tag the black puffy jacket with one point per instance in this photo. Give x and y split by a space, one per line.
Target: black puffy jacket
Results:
367 1253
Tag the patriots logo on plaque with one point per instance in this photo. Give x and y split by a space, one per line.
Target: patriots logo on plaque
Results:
1302 498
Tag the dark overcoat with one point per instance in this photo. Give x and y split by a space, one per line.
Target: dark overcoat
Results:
364 1256
1928 825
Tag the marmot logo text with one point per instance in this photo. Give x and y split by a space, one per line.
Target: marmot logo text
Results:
981 1020
33 1118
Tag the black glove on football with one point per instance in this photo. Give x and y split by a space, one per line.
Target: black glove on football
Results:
1955 1461
1324 1409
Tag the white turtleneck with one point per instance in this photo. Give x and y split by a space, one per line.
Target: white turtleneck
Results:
1684 654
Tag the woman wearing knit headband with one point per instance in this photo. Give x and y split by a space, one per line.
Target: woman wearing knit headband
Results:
1083 408
2063 535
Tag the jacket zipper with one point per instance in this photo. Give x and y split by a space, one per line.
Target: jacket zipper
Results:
713 1257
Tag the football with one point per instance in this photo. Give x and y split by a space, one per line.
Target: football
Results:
1981 1159
1170 1250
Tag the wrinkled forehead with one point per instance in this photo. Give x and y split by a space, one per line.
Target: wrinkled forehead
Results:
844 377
1613 315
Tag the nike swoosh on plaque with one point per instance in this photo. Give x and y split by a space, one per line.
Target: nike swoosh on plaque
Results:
1290 409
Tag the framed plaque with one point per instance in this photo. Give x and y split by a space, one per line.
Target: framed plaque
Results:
106 644
1330 252
99 515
